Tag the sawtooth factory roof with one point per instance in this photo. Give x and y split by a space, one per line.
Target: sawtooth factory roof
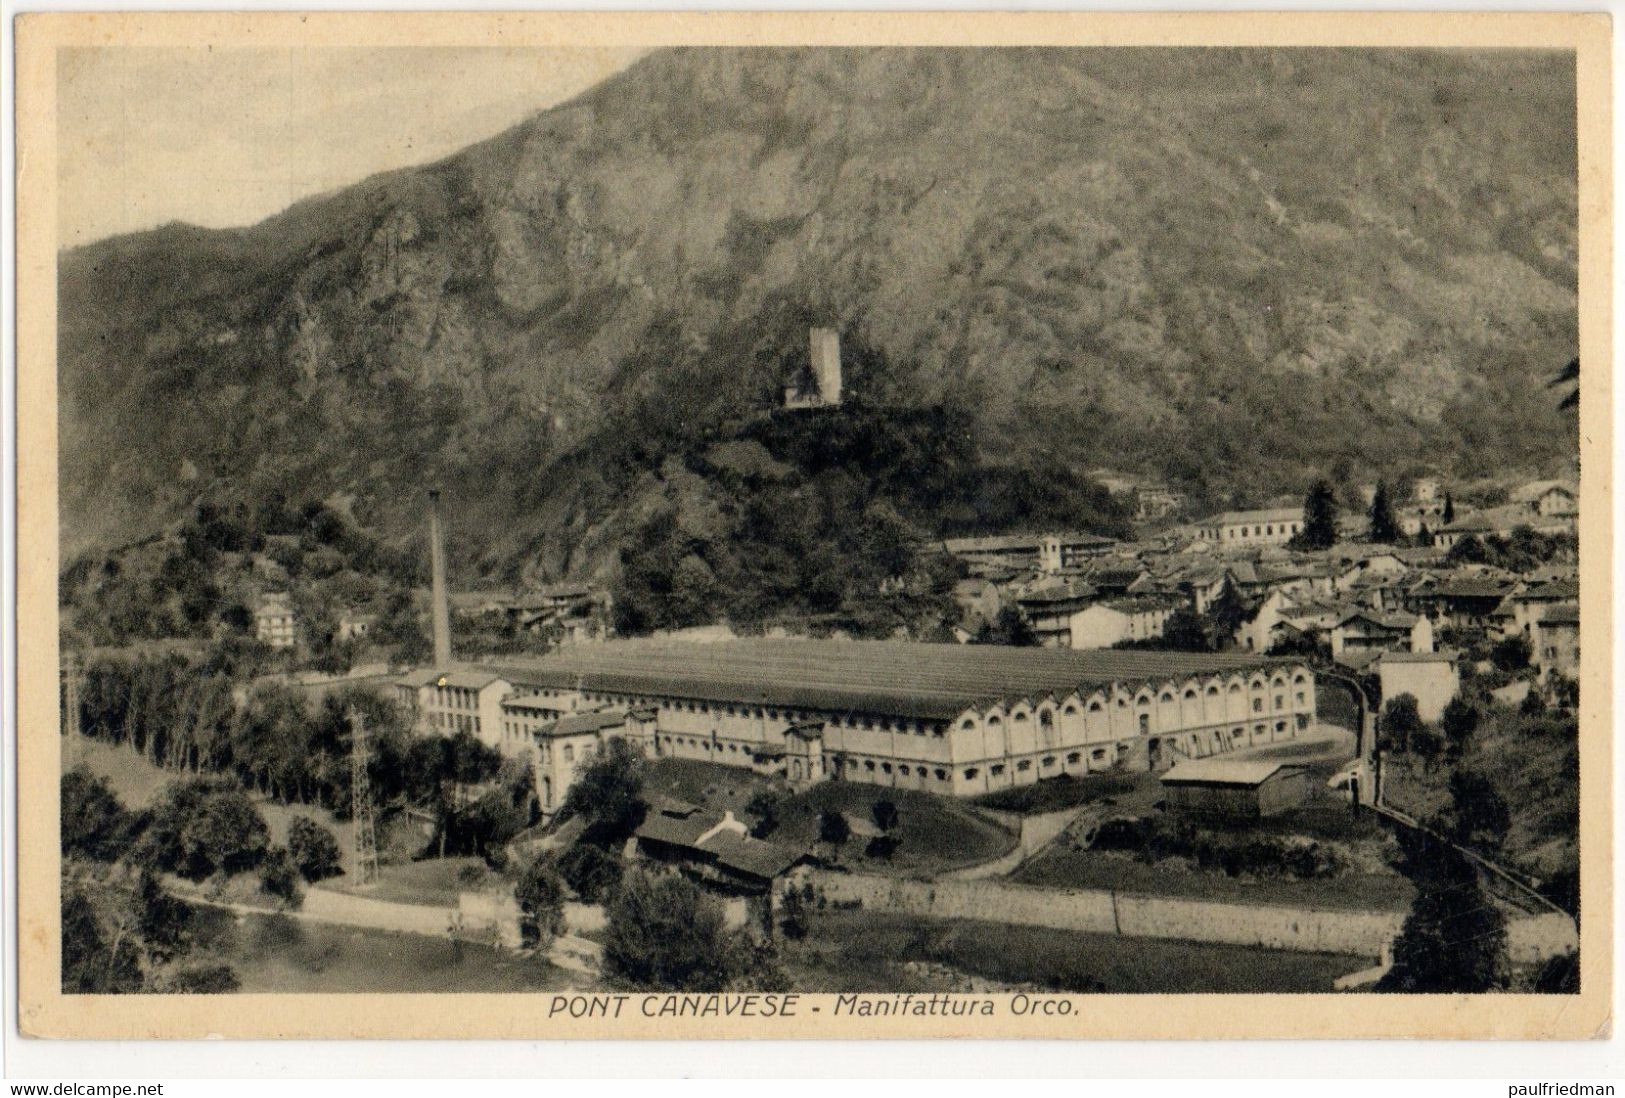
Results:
936 681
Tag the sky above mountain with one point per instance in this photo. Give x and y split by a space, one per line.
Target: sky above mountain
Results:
225 138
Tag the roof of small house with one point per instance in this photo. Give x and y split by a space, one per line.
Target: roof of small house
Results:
1442 656
1564 613
760 858
1237 772
532 701
674 830
1552 591
1357 659
1388 619
1270 514
1064 591
1467 587
1535 489
581 724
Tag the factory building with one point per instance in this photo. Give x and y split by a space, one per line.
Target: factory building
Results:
949 719
958 720
1234 529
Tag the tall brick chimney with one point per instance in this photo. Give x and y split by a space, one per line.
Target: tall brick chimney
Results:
440 609
826 363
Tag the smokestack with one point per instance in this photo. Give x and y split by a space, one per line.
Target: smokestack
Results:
826 363
440 609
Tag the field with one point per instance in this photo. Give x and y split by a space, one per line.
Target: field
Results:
138 783
850 951
933 833
1371 884
1054 794
272 953
1061 867
433 882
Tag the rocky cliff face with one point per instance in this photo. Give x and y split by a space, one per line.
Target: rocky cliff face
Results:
1231 267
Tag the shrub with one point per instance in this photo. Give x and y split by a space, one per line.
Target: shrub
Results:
766 805
94 823
591 871
540 895
200 828
313 848
203 980
1400 722
1153 839
608 792
279 876
664 934
1459 723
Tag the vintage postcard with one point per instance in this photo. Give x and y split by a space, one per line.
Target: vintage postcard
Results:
814 526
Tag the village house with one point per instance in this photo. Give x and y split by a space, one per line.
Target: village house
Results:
1461 602
979 601
354 625
1152 503
1233 790
1555 640
819 384
1501 522
559 748
1114 621
1527 605
1366 565
1050 609
1259 632
718 852
1365 630
1431 678
1549 498
1274 526
1049 553
274 621
1115 581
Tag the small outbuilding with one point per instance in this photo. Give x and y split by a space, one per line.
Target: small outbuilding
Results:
1226 789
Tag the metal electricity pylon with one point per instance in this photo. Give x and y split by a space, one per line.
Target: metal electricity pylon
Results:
366 838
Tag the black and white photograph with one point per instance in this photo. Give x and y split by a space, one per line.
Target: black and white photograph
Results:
931 532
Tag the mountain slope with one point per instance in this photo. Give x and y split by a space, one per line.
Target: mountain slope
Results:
1233 267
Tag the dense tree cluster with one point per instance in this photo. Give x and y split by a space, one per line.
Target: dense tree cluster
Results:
831 515
1454 939
314 849
1524 550
121 930
195 582
665 934
1384 529
182 717
1319 518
